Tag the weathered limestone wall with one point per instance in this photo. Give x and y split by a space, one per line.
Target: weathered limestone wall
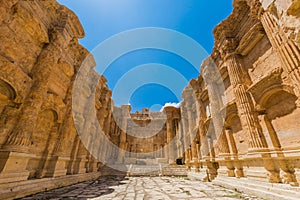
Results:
39 60
148 135
257 54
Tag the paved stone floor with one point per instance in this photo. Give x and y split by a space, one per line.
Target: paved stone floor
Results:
141 188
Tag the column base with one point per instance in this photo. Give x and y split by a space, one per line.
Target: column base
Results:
93 166
55 167
81 166
239 173
194 165
13 166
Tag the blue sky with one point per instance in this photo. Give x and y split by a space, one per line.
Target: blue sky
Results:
102 19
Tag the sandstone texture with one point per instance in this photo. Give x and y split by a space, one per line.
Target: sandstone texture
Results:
59 125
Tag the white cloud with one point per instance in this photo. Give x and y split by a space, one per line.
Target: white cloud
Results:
176 105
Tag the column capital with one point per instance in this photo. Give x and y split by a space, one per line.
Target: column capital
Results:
256 9
210 71
228 47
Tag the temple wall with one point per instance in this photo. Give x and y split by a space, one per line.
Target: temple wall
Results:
258 61
39 59
251 130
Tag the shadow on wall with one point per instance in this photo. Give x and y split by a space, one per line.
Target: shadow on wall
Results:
86 190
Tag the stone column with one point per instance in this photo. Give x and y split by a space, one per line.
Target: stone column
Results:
200 117
212 166
184 124
125 113
247 113
265 121
180 141
231 142
203 149
170 134
192 132
213 81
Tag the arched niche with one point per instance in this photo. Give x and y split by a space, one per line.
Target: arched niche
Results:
280 117
233 123
278 103
8 109
7 94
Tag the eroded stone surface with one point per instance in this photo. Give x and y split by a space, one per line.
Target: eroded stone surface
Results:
256 53
146 188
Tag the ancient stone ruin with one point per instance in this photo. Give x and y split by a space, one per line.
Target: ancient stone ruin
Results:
252 131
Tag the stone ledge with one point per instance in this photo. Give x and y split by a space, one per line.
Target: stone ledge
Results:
258 188
29 187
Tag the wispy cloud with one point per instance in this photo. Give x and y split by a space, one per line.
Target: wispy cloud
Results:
176 105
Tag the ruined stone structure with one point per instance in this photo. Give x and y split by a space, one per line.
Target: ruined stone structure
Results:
40 57
250 130
257 54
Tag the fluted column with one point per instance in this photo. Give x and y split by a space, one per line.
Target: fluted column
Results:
248 116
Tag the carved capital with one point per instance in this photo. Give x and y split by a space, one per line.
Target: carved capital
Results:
210 71
228 47
256 9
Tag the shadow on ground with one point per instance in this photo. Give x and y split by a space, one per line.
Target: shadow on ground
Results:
85 190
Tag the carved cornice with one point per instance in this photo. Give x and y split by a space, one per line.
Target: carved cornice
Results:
271 80
250 39
228 47
227 29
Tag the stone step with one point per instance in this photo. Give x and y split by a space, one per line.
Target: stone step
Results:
259 188
175 170
144 170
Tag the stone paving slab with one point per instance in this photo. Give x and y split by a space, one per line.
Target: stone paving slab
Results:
141 188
